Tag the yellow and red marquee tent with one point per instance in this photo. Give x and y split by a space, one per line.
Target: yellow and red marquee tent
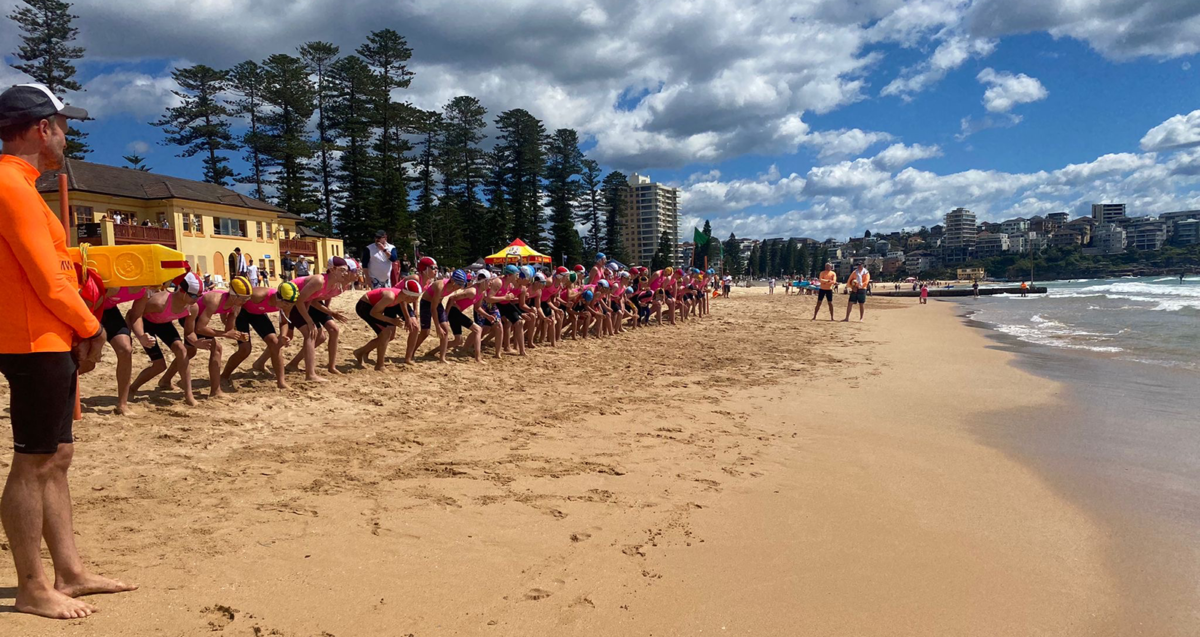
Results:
517 252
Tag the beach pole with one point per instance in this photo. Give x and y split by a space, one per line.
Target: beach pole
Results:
64 214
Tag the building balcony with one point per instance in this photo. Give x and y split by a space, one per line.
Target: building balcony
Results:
126 235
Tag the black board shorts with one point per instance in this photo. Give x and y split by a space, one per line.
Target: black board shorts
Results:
318 317
165 333
41 399
426 311
509 312
114 323
260 322
824 294
459 321
363 310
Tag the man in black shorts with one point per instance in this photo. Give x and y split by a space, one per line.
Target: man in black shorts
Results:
48 333
828 279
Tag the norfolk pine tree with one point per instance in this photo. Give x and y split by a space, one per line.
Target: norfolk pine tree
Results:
247 80
615 188
351 118
200 124
291 93
591 209
320 56
564 162
46 54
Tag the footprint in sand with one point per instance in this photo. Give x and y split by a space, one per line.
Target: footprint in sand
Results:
580 537
537 594
219 616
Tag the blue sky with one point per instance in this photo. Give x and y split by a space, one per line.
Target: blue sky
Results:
777 120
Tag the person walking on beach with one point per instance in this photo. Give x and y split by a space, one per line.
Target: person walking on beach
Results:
859 280
771 285
47 332
975 288
924 294
828 280
1024 288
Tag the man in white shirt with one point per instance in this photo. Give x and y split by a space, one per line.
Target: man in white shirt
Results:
252 273
379 258
771 285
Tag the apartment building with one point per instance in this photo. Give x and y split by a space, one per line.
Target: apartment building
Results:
651 208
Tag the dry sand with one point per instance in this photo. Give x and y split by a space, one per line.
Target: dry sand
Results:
722 477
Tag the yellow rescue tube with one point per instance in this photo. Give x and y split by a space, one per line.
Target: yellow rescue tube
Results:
132 265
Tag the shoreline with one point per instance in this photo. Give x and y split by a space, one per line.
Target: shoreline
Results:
1112 447
736 474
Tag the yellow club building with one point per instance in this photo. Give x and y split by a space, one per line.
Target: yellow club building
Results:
112 205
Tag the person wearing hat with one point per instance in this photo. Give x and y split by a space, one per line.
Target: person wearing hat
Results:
48 331
379 257
287 266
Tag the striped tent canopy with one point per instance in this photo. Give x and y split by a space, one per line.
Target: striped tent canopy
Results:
517 252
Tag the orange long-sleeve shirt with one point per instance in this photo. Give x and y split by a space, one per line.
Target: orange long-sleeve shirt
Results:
43 311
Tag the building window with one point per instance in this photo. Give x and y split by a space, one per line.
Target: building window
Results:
83 214
227 227
259 226
270 268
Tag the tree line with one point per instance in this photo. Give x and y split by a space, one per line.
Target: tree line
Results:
326 137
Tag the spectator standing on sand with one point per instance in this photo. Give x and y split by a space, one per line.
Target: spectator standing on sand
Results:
302 267
975 288
47 333
859 280
771 286
1024 288
379 257
288 266
924 294
828 280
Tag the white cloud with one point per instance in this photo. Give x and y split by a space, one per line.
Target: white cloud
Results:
1119 30
844 143
843 199
949 55
1006 90
970 125
1180 131
707 195
135 93
898 156
138 147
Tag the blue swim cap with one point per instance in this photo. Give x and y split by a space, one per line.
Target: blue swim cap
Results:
459 278
511 269
526 272
599 255
712 271
602 283
588 296
630 291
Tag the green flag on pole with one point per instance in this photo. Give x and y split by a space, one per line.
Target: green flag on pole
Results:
699 238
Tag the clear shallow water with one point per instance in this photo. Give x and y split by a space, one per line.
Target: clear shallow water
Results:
1151 320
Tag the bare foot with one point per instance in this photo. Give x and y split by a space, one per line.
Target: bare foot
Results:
317 379
161 386
260 368
333 370
291 369
283 386
227 383
53 604
360 359
91 584
191 402
127 411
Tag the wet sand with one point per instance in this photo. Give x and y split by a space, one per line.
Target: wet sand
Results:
731 476
1124 445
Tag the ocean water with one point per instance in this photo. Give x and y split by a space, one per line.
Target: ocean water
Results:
1147 320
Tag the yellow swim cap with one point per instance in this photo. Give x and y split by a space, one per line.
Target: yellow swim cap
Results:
240 286
288 292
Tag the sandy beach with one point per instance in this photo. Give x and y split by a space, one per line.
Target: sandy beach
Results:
731 476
